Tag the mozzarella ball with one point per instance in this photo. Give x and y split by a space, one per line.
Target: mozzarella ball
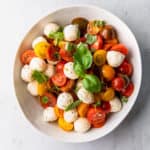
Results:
115 58
69 71
37 64
26 73
79 84
32 87
38 40
85 96
81 125
115 104
71 115
52 62
50 28
49 114
71 32
50 70
64 99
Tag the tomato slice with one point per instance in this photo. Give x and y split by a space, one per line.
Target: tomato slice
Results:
68 86
121 48
128 90
98 44
106 106
96 117
26 56
60 66
48 99
59 79
66 55
118 83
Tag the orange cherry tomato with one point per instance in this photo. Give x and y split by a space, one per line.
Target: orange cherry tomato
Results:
121 48
128 90
26 56
68 86
66 55
59 112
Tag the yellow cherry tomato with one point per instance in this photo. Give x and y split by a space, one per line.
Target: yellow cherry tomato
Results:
41 49
62 44
65 125
83 109
59 112
108 72
42 88
99 57
108 94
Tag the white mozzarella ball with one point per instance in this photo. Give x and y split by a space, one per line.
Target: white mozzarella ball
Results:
64 99
32 87
49 114
115 58
52 62
71 32
115 104
71 115
26 73
85 96
50 70
69 71
38 40
79 84
81 125
50 28
37 64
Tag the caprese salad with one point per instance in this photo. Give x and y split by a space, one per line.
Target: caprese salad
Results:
79 73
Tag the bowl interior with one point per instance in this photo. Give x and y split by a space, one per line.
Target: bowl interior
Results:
29 105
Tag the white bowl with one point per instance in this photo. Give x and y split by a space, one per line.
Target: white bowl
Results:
33 110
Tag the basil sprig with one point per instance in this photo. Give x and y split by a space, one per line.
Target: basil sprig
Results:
73 105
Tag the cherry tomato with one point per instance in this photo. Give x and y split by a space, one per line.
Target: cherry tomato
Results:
121 48
96 117
48 99
68 86
128 90
98 44
59 79
66 55
106 106
60 66
126 68
118 83
82 39
26 56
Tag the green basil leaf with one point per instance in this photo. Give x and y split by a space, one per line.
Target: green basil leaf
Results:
92 83
69 46
73 105
124 99
56 36
90 39
45 100
99 23
78 69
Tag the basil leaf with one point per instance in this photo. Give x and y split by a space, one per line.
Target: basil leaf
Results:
92 83
99 23
56 35
78 69
45 100
69 46
73 105
124 99
90 39
39 76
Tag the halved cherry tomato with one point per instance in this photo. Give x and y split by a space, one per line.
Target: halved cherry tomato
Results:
68 86
126 68
60 66
59 112
128 90
26 56
108 94
66 55
118 83
106 106
98 44
48 99
121 48
96 117
59 79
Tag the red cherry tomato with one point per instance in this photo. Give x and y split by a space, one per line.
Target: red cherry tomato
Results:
97 117
118 83
126 68
120 48
98 44
106 106
82 39
59 79
48 99
66 55
60 66
128 90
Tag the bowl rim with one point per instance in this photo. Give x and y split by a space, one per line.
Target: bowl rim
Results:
52 11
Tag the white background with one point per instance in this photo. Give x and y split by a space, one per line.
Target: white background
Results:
16 133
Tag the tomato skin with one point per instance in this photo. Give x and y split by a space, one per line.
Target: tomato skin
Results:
106 107
51 100
97 117
66 55
68 86
98 44
126 68
60 66
128 90
59 79
26 56
120 48
82 39
118 83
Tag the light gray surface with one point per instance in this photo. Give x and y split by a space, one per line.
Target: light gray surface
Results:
16 133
